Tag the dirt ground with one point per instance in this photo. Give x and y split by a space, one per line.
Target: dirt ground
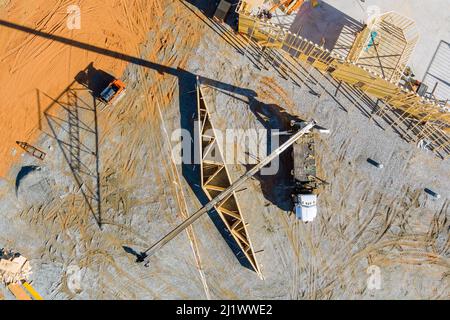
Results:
109 187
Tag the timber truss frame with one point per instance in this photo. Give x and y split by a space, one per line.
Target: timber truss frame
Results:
215 178
386 45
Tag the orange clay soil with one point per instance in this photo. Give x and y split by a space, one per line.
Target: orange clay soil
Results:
30 63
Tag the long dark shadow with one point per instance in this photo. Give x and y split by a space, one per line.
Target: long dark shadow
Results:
74 147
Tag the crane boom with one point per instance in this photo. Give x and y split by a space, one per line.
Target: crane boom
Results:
145 255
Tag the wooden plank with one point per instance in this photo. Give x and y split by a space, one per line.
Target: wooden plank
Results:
210 178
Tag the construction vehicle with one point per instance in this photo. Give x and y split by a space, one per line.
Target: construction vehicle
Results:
304 129
113 91
15 270
305 178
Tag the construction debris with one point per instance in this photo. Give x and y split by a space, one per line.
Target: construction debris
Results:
15 271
